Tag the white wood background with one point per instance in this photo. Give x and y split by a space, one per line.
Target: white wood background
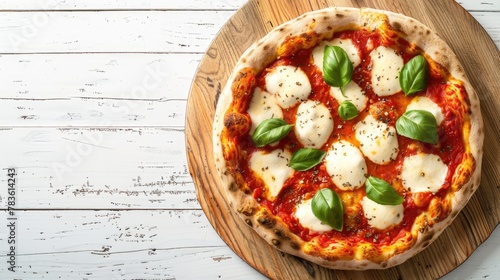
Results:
92 108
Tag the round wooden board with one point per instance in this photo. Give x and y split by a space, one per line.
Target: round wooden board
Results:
476 51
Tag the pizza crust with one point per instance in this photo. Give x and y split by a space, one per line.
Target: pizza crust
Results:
325 22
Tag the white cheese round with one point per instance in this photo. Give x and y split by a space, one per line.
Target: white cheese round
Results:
354 94
423 173
307 218
262 107
346 44
382 216
425 103
378 140
289 84
346 165
313 124
273 169
386 66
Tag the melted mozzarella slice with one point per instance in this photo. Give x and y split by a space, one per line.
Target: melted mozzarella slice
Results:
307 218
378 141
262 106
273 169
313 124
346 44
386 65
425 103
382 216
289 84
423 173
354 94
346 165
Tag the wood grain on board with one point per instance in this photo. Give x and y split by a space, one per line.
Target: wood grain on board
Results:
476 51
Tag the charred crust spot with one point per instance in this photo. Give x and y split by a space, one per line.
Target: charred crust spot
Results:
266 47
249 222
294 246
276 242
384 264
266 221
236 123
329 27
427 32
243 83
244 60
282 29
245 210
233 187
397 25
339 15
247 191
326 18
281 235
425 244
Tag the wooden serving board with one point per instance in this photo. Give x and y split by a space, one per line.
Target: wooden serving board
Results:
481 60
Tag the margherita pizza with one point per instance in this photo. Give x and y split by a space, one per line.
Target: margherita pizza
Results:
349 137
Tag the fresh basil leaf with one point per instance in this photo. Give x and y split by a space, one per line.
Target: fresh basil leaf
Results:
327 207
414 75
347 110
419 125
306 158
382 192
337 67
270 131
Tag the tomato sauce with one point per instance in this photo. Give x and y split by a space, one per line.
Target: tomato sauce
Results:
304 184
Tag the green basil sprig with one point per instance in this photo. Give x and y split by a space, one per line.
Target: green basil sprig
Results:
337 67
270 131
327 207
347 110
306 158
382 192
414 75
419 125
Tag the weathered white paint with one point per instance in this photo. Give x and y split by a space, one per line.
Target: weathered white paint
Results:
122 4
472 5
109 31
159 244
125 31
104 168
92 109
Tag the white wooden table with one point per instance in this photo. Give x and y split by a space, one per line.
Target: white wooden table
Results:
92 109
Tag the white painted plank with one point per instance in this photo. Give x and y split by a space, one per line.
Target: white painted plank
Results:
59 5
122 31
483 5
101 112
95 89
104 168
140 31
123 75
118 245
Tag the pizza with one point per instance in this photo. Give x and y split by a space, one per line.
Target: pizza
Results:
349 137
